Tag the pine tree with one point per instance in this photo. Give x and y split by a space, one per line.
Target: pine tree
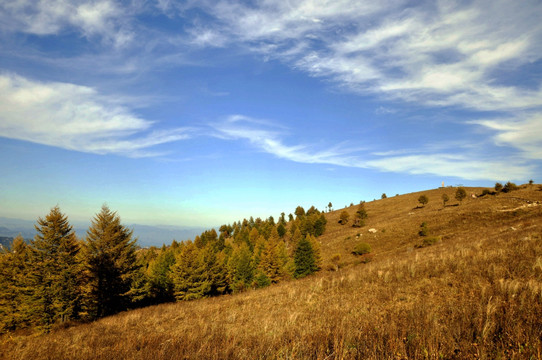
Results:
241 268
14 290
315 244
110 264
270 263
160 285
304 259
54 277
189 275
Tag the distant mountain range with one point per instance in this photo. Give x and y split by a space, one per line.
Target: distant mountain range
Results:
147 235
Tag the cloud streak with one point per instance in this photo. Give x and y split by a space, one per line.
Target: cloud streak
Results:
442 162
77 118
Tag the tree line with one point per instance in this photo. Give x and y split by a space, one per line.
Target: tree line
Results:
57 277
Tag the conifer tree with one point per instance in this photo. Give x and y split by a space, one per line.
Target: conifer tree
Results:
270 263
160 285
304 259
14 290
315 244
110 264
241 268
54 277
188 274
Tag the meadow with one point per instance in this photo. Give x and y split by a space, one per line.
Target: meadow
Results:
475 292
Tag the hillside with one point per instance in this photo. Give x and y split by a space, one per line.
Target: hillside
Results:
475 293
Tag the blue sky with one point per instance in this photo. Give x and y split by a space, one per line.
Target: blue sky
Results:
207 112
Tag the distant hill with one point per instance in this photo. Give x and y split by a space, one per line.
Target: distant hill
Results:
147 235
470 289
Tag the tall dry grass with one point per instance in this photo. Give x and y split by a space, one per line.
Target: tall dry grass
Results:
476 294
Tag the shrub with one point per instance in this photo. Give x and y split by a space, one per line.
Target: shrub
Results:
423 199
498 187
445 199
384 196
428 241
485 192
509 186
423 229
460 194
344 217
361 249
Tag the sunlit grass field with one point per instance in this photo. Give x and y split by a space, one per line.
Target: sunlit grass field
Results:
476 293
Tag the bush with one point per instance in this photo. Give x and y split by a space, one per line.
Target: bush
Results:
509 186
428 241
460 194
423 199
344 217
423 229
498 187
485 192
361 249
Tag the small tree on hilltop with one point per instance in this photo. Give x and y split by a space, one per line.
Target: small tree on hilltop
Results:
423 199
344 217
460 194
445 199
498 187
384 196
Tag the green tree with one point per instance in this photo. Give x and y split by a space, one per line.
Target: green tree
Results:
14 290
54 276
423 199
304 259
299 212
270 263
315 244
384 196
281 229
160 282
110 264
189 274
343 218
329 206
445 199
241 268
460 194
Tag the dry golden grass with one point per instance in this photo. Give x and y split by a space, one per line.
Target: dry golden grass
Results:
476 294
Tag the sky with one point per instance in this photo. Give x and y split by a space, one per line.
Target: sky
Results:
203 112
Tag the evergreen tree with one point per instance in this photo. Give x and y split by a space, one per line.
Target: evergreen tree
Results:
189 276
14 290
54 277
160 283
110 264
270 263
241 268
304 259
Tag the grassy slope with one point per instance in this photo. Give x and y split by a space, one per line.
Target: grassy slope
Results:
475 294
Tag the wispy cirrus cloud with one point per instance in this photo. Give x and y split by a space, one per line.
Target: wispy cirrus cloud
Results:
524 133
77 118
440 160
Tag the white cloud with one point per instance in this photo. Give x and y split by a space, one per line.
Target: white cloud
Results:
104 18
76 118
442 54
524 134
461 166
437 160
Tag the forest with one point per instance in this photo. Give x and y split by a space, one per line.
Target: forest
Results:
58 278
